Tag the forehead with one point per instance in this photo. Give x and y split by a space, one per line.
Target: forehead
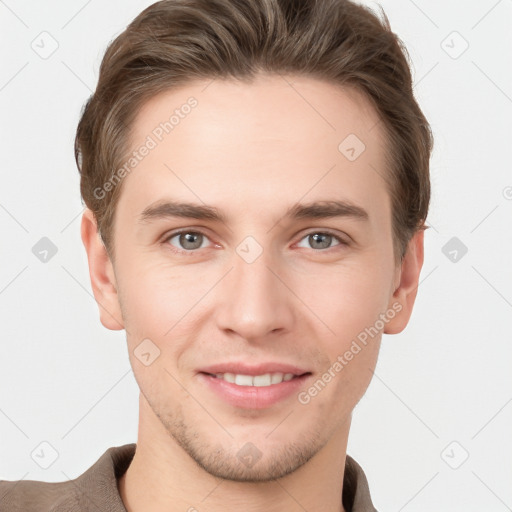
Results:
276 108
277 138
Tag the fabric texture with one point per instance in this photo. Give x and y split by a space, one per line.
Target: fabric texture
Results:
96 489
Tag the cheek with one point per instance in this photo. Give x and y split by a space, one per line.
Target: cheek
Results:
155 295
346 300
162 303
355 376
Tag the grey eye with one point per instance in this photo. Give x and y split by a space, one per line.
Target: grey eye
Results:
188 240
320 240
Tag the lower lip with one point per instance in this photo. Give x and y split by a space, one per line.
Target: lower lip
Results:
253 397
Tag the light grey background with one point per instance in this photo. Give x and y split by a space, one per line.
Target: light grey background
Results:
442 388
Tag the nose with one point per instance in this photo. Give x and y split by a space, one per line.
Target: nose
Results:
254 299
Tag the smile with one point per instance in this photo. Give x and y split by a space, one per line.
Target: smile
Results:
266 379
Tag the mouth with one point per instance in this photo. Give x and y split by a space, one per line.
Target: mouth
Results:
253 387
262 380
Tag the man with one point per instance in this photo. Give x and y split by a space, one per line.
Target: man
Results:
256 175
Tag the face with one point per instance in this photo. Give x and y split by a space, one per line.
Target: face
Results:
273 286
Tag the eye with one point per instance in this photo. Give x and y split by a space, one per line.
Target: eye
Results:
187 241
323 240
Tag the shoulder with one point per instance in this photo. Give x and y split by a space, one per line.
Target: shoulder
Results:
95 489
33 495
356 492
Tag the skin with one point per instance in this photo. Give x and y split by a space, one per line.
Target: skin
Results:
252 151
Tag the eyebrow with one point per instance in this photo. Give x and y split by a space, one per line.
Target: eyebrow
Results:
315 210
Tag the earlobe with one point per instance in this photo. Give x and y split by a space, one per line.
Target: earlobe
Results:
101 273
404 296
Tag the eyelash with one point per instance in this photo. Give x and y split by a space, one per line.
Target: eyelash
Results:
193 252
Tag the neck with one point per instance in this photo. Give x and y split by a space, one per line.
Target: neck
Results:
163 477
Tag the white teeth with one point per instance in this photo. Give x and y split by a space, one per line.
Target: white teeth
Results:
243 380
262 380
277 378
266 379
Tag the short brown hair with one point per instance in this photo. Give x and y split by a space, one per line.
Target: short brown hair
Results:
173 42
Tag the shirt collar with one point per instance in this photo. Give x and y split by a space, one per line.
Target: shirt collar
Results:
103 476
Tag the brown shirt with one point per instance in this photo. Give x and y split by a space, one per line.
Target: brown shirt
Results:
96 489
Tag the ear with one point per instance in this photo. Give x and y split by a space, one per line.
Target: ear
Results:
101 273
406 284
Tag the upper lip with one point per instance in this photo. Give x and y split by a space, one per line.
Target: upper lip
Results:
241 368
